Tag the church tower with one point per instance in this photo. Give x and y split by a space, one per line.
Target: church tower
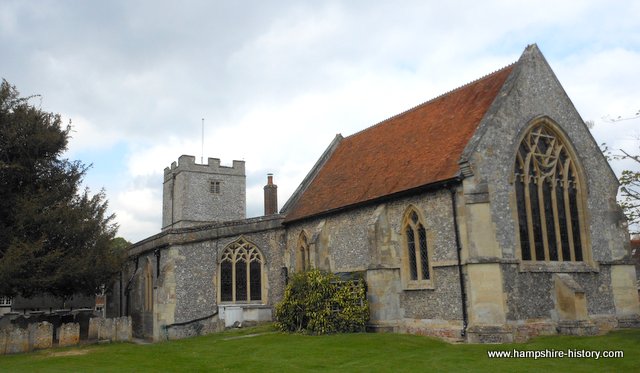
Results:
196 194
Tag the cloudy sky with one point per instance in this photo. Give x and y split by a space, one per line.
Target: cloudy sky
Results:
275 81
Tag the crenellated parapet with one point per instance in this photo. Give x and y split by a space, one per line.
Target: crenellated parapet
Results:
188 163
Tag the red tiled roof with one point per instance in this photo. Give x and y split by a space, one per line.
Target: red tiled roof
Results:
418 147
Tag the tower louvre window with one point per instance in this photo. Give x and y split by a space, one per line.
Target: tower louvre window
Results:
214 187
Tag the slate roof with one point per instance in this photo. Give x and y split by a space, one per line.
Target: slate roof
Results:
413 149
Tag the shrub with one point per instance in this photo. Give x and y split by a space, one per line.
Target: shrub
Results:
318 302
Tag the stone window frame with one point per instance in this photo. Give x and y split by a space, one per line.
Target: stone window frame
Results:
303 253
420 282
531 263
235 252
215 186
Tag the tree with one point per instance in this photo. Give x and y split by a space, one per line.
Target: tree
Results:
54 238
629 187
629 178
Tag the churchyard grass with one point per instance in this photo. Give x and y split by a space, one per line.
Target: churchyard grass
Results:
271 351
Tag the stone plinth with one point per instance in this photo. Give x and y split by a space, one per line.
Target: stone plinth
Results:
118 329
94 328
69 334
17 340
123 329
3 341
41 335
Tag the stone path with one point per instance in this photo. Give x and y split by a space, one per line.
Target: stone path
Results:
247 336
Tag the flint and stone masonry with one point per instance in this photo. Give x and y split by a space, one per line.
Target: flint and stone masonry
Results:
427 210
196 194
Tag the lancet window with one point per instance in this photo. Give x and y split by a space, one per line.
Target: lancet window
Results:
417 252
303 255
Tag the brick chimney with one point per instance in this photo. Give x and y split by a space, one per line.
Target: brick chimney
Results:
270 196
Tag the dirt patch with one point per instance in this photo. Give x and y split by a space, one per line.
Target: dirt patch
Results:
246 336
68 353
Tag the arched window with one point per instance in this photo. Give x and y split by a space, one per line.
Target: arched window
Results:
549 198
241 272
303 255
417 264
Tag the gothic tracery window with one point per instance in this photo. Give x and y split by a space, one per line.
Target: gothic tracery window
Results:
241 273
548 195
416 248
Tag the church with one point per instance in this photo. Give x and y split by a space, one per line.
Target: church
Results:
487 214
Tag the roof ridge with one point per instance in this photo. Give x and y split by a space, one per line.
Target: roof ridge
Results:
433 99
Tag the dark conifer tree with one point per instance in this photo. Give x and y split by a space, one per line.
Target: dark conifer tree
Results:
54 238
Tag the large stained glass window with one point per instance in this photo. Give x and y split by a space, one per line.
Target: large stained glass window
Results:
548 195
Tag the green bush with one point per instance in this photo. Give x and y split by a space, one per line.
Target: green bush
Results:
317 302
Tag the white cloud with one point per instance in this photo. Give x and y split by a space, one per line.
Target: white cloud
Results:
603 85
86 134
275 81
139 212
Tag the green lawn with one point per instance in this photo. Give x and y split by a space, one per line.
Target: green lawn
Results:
239 351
